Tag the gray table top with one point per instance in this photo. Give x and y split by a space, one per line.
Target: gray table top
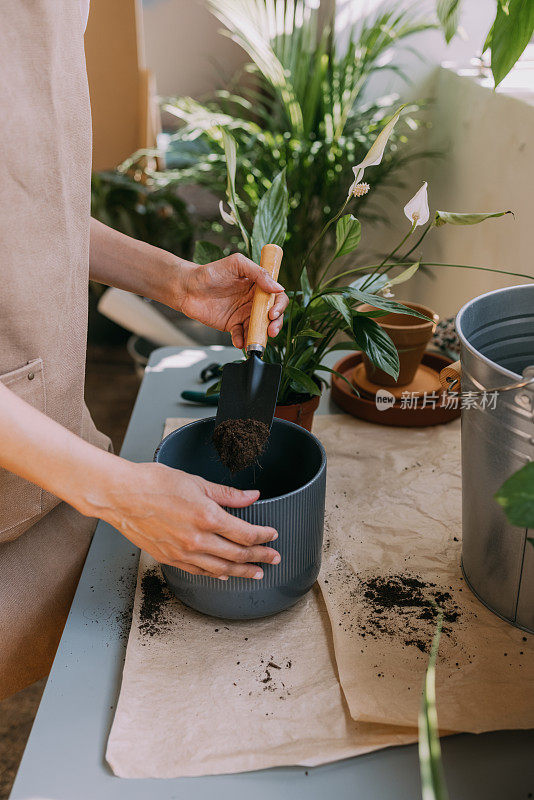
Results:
64 757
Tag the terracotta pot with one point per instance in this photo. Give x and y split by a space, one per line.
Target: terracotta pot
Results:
410 336
299 413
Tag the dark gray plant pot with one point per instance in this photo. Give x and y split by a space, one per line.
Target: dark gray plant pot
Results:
291 477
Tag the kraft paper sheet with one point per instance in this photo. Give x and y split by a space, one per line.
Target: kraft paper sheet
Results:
203 696
394 508
194 700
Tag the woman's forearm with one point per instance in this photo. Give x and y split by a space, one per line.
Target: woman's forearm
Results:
118 260
177 518
40 450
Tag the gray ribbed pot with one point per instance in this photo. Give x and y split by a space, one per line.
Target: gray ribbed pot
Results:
291 478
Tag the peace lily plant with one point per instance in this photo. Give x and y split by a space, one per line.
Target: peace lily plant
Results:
324 315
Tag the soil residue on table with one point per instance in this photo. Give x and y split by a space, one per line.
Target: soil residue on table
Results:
153 618
407 606
240 442
399 606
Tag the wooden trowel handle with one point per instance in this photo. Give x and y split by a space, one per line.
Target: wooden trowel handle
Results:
450 377
271 258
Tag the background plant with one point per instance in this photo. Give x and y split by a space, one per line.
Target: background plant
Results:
130 201
298 105
324 313
507 38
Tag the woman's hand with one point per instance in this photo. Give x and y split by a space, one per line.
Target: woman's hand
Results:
175 517
178 519
220 295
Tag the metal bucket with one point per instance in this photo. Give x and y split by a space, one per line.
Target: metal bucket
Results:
496 331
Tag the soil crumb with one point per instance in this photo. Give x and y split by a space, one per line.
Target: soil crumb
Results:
240 442
405 605
152 614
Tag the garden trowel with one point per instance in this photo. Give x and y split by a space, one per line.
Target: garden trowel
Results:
249 388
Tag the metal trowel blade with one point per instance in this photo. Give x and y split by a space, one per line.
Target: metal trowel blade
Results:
249 390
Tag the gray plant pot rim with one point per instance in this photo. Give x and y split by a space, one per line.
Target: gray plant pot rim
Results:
267 500
507 373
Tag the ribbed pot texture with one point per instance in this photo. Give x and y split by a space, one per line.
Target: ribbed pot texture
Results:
291 478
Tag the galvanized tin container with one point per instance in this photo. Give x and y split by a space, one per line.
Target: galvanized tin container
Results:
496 331
291 478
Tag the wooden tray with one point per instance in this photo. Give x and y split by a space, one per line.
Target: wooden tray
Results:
365 407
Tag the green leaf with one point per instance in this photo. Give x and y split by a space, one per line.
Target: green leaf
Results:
487 43
309 332
343 346
322 368
270 223
405 275
230 152
376 343
512 31
448 12
305 286
348 235
339 304
373 314
214 388
206 252
454 218
376 283
516 496
302 382
433 784
383 303
304 357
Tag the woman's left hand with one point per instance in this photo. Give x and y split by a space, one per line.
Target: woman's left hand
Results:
220 295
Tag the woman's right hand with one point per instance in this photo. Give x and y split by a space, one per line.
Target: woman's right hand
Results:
178 519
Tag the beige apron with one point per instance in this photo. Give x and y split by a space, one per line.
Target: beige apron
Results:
45 148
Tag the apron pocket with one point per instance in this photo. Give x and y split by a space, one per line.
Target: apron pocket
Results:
20 500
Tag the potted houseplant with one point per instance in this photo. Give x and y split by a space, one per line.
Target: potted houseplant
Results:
324 316
305 105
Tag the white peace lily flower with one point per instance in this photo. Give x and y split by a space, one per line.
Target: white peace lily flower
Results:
359 189
374 156
385 291
229 218
416 209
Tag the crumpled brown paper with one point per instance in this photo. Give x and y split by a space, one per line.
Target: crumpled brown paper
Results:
394 509
203 696
195 699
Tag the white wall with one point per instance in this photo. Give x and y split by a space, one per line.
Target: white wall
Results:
188 55
432 49
184 48
487 139
488 166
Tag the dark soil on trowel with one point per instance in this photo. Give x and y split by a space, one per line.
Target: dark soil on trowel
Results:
240 442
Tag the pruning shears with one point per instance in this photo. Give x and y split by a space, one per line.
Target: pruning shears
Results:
208 373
